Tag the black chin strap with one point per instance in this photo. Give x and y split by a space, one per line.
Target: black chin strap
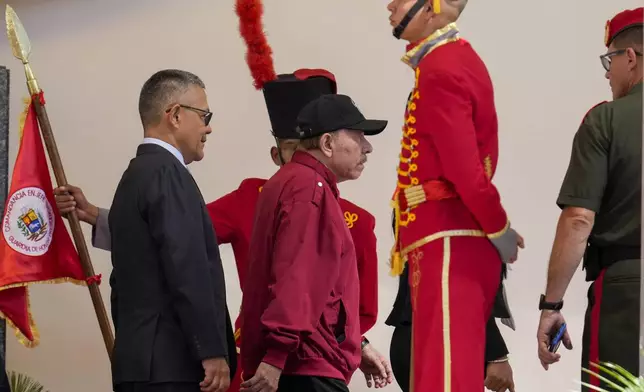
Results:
398 30
279 151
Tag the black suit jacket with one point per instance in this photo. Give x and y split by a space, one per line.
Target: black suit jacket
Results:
400 315
169 295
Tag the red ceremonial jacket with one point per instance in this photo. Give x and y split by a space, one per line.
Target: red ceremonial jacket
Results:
232 217
449 148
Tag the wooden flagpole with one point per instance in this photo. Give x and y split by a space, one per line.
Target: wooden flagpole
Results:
21 48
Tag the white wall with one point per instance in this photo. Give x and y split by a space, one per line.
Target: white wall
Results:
92 56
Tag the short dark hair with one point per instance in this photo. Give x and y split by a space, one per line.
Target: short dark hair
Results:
631 37
162 89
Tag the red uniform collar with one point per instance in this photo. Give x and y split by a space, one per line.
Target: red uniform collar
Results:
417 51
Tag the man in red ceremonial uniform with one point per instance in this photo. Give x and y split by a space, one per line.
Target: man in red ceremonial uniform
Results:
301 299
450 223
232 218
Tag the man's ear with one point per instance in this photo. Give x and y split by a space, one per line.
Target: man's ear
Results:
275 156
326 144
632 58
173 115
428 13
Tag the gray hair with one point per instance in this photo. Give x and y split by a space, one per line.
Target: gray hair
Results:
162 89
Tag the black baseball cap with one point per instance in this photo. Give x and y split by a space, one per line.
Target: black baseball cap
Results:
332 112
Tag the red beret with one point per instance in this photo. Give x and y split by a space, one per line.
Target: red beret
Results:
622 22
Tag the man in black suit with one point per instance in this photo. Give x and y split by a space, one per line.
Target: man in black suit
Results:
173 330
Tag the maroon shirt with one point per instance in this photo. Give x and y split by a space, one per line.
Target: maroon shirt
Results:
301 294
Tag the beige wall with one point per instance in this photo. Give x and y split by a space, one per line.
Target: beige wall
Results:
91 57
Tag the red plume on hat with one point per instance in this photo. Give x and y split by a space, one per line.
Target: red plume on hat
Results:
285 94
259 56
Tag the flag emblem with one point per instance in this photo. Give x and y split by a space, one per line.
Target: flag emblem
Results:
28 223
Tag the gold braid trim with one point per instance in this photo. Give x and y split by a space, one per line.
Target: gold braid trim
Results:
501 232
23 116
407 58
399 256
487 164
415 195
441 234
237 336
409 143
397 265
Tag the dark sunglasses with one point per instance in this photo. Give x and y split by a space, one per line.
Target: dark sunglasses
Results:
606 59
206 115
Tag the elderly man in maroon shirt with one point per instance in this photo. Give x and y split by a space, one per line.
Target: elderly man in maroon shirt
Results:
300 307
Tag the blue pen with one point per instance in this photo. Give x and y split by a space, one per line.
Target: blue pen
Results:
556 341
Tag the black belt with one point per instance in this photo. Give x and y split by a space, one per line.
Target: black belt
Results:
612 254
598 258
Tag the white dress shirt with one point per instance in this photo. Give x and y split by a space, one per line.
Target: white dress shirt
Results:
172 149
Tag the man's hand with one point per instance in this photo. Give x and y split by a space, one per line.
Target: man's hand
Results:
376 369
266 379
217 377
499 377
548 325
70 198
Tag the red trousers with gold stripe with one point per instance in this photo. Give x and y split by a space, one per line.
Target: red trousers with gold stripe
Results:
453 285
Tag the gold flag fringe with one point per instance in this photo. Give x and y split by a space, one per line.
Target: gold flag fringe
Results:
23 116
32 325
22 338
19 335
50 281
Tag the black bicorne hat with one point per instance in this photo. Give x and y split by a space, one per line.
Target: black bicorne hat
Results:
289 93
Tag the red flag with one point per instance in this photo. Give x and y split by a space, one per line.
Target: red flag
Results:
35 246
14 306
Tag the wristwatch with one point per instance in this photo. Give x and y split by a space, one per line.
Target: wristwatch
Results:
543 305
364 342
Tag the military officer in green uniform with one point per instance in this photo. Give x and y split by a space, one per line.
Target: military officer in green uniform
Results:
600 220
